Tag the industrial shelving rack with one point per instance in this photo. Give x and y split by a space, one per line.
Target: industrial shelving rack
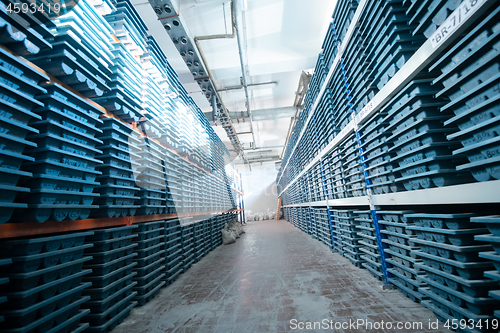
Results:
399 129
107 168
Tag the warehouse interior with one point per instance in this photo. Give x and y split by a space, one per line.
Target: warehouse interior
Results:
249 166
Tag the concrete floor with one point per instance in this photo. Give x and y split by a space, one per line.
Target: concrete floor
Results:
272 274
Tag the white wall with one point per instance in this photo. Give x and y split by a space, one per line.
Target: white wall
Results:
259 186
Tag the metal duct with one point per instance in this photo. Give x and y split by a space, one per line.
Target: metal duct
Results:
193 56
238 20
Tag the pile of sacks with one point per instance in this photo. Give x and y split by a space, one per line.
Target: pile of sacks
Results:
251 216
231 231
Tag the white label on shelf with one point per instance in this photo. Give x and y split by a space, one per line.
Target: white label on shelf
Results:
454 21
364 112
341 135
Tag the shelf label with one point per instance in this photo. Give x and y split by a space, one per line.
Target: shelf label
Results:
454 21
364 112
340 136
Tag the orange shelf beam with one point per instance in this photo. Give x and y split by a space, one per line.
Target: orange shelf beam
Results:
14 230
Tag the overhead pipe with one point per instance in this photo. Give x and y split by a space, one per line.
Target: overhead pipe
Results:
267 114
248 85
266 147
197 40
221 36
239 38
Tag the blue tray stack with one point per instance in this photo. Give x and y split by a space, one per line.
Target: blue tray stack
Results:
221 221
45 285
150 177
3 280
212 233
337 178
302 148
74 56
323 226
295 214
220 199
184 185
347 227
370 246
206 147
196 188
125 98
314 87
199 240
66 160
113 261
173 182
297 195
205 192
393 44
355 183
302 222
212 193
306 218
399 240
192 188
188 249
184 148
426 16
342 17
159 82
117 183
289 196
163 71
363 224
470 76
452 267
325 177
373 138
150 259
316 186
313 230
23 33
320 73
492 223
290 214
187 185
18 87
420 153
207 228
336 232
86 24
329 46
173 251
153 97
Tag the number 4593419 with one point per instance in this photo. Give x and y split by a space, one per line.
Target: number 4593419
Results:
486 324
32 8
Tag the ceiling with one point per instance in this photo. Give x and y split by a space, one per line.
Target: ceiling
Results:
283 38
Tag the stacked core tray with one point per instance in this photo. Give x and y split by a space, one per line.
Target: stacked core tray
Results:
112 277
45 285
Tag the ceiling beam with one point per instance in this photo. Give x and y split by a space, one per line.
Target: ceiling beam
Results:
262 114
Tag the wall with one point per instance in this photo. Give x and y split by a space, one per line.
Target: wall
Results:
259 186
